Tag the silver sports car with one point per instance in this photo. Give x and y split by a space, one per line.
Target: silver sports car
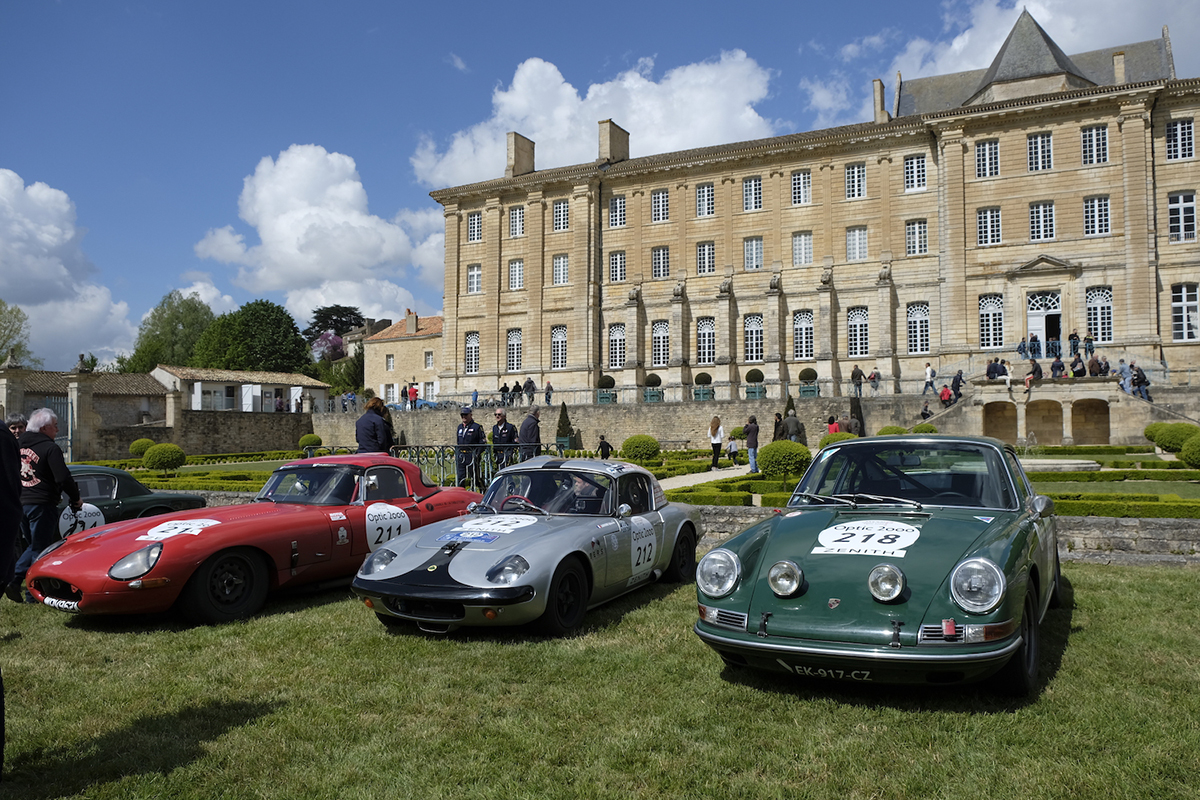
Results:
551 539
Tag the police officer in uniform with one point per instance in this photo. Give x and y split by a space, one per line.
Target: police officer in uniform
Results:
470 439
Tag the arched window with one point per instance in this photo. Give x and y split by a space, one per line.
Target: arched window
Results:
706 341
558 347
1100 313
616 346
991 320
514 350
918 327
803 335
857 335
660 344
753 348
471 351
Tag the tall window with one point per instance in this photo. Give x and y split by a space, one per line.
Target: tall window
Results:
1179 139
803 335
991 321
516 274
562 215
514 350
1040 152
914 173
916 237
856 181
616 212
1095 216
389 393
706 203
1041 221
389 362
428 359
753 345
987 226
1100 313
660 208
1181 217
471 354
706 258
802 252
1185 316
475 226
918 328
856 332
559 271
516 221
801 187
616 267
751 194
616 346
1095 144
660 262
558 347
706 341
987 159
474 278
856 243
660 343
752 249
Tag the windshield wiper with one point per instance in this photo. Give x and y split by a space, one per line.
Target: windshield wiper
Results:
521 502
824 498
879 498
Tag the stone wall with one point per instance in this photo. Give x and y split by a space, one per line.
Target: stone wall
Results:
204 432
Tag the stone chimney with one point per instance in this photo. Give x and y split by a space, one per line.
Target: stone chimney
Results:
881 112
614 142
410 319
1118 68
520 155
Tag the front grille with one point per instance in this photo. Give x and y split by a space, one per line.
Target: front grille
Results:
729 619
60 590
932 634
428 609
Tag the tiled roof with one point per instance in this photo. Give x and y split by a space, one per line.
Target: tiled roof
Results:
103 383
239 376
426 326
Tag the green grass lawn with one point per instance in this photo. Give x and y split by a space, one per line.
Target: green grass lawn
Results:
314 699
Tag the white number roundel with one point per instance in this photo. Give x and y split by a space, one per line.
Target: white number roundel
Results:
74 521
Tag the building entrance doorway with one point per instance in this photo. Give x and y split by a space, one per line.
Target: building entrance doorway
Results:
1043 319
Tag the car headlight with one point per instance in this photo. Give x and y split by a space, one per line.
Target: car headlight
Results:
977 585
886 583
785 578
508 570
136 564
377 561
717 573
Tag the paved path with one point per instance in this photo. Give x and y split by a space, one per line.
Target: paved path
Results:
681 481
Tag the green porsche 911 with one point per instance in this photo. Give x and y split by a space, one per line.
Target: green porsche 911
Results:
900 559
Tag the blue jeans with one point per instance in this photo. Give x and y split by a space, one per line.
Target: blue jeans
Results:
752 452
43 532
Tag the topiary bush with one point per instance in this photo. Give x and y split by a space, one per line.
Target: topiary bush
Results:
831 438
606 382
164 457
703 379
140 446
653 380
310 440
640 448
754 376
1173 436
563 431
783 458
925 427
1152 430
808 374
891 430
1190 452
738 433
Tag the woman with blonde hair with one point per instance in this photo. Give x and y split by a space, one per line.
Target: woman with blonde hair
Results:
716 435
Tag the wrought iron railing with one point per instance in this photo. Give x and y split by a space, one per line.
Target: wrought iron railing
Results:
441 461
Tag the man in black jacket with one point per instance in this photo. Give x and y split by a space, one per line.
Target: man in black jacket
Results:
44 476
471 440
504 440
530 435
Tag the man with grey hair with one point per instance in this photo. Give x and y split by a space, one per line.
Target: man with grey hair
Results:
530 435
44 476
791 426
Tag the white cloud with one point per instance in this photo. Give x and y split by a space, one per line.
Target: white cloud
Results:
691 106
41 257
836 100
309 209
866 45
202 286
87 322
457 63
376 299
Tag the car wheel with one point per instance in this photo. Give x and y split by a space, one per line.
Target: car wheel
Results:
682 568
1056 592
1019 677
566 602
230 585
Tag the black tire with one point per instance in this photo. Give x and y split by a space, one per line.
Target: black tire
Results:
1056 592
230 585
566 602
682 568
1019 677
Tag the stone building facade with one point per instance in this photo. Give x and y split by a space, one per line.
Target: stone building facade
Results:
1046 194
403 354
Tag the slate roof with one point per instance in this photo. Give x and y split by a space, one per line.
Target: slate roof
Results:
426 326
103 383
244 377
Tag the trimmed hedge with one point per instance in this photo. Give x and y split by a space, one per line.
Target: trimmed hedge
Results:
1190 452
309 440
641 447
832 438
925 427
783 458
1173 437
891 430
1102 497
1115 475
138 447
776 499
709 498
1157 510
164 457
1097 449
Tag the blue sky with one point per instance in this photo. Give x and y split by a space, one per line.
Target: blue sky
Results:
285 150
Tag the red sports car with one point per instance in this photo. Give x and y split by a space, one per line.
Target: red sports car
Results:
315 520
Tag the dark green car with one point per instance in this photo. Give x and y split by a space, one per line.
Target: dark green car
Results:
119 496
900 559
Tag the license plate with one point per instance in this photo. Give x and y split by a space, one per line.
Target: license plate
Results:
829 673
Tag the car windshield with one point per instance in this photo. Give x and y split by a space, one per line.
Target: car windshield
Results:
554 491
311 486
915 473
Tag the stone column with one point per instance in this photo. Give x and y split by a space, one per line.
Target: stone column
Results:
82 445
1068 432
1022 433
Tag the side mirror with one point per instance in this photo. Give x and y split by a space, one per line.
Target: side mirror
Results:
372 482
1043 506
624 511
471 507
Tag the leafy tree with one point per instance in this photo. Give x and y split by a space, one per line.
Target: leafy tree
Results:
164 457
260 335
14 336
168 335
339 319
328 347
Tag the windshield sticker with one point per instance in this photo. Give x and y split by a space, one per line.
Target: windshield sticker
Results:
75 521
985 519
496 523
481 537
384 523
176 527
868 537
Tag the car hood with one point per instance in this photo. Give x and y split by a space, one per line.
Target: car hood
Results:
837 549
496 532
